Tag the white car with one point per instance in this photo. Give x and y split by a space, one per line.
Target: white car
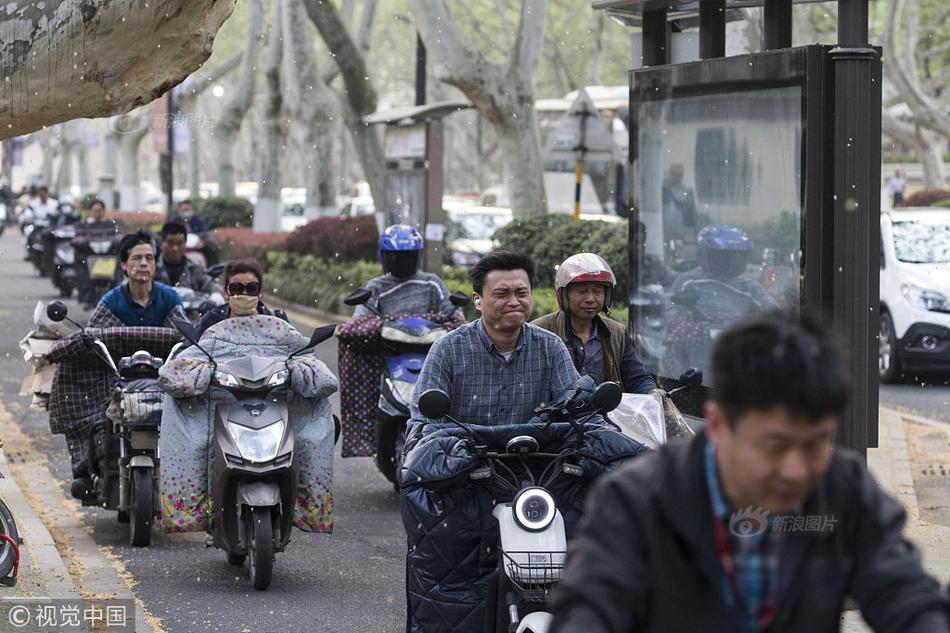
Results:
915 292
470 231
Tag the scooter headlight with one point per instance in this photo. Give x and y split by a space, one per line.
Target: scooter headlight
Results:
225 379
534 509
66 254
257 445
278 378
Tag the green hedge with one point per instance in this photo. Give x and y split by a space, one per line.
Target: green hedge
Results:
225 211
550 239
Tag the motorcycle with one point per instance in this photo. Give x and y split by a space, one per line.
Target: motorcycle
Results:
34 230
125 473
255 462
652 422
650 314
533 540
60 259
405 343
97 260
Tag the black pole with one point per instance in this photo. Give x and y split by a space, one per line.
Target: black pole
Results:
712 29
856 212
656 38
778 24
420 71
170 160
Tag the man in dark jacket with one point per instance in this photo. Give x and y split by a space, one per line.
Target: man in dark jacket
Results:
600 347
760 523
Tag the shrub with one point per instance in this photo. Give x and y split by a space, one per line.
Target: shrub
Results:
239 243
226 211
550 239
336 238
943 204
312 281
926 198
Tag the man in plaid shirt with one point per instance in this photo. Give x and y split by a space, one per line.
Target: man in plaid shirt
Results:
497 369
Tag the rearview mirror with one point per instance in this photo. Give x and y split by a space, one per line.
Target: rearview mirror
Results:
186 329
692 377
459 299
56 311
607 396
322 334
215 271
434 404
358 297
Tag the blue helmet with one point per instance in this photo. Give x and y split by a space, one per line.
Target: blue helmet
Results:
400 250
723 250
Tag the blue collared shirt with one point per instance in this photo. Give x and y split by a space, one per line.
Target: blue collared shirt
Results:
487 389
756 555
161 302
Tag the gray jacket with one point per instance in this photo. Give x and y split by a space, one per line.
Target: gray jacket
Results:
421 293
193 276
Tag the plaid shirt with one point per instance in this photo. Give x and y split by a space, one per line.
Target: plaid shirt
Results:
755 558
485 388
82 385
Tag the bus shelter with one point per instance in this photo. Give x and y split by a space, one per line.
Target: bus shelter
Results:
755 184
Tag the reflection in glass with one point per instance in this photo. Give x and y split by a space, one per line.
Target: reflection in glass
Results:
717 185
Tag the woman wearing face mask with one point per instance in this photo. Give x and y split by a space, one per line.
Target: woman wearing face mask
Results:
243 282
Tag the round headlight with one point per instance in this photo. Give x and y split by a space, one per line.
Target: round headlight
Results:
534 509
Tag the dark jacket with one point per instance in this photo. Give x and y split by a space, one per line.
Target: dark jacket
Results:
193 276
222 312
621 361
645 559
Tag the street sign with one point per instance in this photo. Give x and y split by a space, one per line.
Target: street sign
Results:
581 130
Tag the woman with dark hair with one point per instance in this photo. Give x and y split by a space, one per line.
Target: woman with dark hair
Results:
243 283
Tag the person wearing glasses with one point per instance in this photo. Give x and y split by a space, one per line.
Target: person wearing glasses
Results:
243 282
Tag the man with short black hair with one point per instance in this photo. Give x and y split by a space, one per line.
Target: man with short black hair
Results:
174 268
497 369
759 523
140 301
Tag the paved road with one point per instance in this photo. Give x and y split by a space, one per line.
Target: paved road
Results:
352 580
926 396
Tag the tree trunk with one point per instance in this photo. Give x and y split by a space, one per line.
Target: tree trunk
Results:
360 94
110 167
505 95
6 169
931 156
312 106
136 127
97 58
267 209
228 126
597 48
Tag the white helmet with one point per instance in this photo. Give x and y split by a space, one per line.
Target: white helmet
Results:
584 267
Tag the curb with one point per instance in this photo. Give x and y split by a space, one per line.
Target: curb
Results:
36 537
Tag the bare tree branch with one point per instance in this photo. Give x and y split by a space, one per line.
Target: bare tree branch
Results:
127 54
528 45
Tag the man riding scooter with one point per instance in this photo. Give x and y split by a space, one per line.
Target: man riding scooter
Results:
96 243
600 347
137 315
194 284
404 290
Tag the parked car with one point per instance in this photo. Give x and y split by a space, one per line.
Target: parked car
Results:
915 292
470 230
360 205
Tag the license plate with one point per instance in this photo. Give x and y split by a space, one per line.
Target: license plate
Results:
103 267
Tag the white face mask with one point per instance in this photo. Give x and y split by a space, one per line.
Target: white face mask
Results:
242 305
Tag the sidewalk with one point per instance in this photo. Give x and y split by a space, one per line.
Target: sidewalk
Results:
912 463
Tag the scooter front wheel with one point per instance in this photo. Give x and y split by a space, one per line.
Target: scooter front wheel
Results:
141 510
260 534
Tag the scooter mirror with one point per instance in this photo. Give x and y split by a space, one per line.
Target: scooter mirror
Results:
358 297
322 334
691 377
186 329
607 396
459 299
434 404
56 311
215 271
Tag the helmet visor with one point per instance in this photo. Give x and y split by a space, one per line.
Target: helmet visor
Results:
401 264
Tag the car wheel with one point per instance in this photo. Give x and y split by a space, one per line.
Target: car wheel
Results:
889 365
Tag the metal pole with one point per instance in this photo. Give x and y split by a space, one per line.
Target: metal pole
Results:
778 24
656 38
712 29
170 161
420 71
435 215
857 174
579 169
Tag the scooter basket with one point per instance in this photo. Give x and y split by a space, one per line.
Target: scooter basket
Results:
534 574
139 407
